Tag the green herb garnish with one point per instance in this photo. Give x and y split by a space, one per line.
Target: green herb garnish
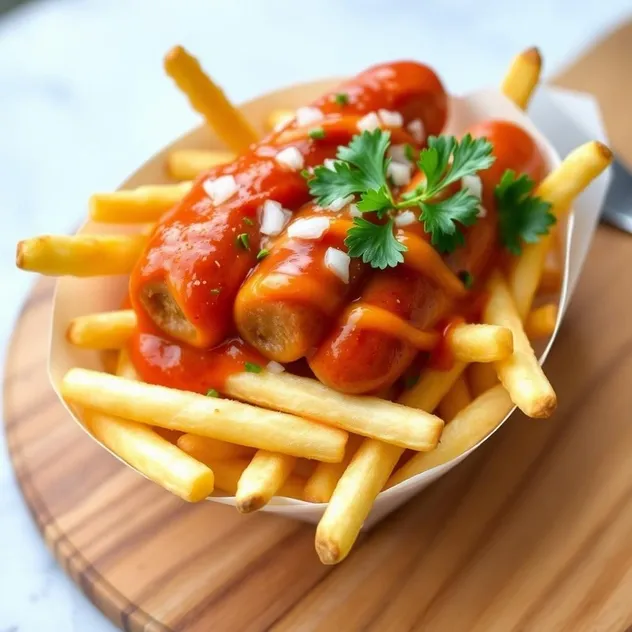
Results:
341 98
262 254
243 241
251 367
212 393
248 221
466 278
316 133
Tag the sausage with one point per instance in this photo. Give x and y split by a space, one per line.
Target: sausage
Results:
288 302
355 359
199 254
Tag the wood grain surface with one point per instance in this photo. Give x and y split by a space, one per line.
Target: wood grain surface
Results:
532 532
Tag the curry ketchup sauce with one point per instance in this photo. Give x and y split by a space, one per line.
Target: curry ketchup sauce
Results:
354 359
195 261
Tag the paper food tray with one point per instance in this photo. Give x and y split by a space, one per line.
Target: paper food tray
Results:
559 121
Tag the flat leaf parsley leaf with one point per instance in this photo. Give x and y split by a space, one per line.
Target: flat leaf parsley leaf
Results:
374 243
522 216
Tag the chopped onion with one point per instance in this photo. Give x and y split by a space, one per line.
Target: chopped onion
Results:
308 227
221 189
338 262
390 118
329 164
307 115
339 203
290 157
482 211
275 367
354 211
417 130
273 218
473 184
405 219
369 122
398 154
399 173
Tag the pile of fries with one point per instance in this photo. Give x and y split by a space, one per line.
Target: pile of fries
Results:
284 435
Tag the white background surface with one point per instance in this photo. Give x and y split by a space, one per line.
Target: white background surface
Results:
83 101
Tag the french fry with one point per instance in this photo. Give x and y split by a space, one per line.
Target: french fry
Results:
209 100
551 279
80 255
106 330
208 450
480 343
367 416
520 374
481 377
125 368
136 206
431 387
353 498
456 400
278 118
522 77
321 484
541 321
186 164
205 416
471 425
560 188
261 480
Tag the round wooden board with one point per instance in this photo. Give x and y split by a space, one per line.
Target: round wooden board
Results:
530 533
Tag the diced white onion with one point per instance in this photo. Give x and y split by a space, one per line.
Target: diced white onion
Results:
275 367
482 211
405 219
369 122
354 211
290 157
398 154
307 115
221 189
338 262
339 203
473 184
308 227
273 218
417 130
329 164
390 118
399 173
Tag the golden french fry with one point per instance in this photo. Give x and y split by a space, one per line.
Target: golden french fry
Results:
480 343
471 425
541 321
481 377
209 100
551 279
107 330
136 206
431 387
367 416
125 368
520 374
205 416
321 484
353 498
262 479
80 255
278 118
208 450
522 77
456 400
560 188
186 164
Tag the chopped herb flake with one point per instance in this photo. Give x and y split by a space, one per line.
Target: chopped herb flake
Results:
316 133
251 367
244 241
262 254
341 98
212 393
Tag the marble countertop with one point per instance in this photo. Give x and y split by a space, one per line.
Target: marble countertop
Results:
83 101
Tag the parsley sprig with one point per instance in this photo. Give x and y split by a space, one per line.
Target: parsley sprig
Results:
361 169
522 217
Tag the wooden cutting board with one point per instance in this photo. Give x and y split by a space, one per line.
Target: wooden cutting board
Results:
530 533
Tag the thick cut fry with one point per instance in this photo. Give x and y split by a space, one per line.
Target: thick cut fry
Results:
186 164
207 450
456 400
471 425
262 479
520 374
278 118
431 387
80 255
125 368
136 206
560 188
208 99
480 343
107 330
541 321
481 377
353 498
522 77
551 279
367 416
206 416
321 484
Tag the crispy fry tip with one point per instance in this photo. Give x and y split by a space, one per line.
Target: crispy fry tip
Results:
250 503
533 56
19 255
328 551
173 53
544 406
604 151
